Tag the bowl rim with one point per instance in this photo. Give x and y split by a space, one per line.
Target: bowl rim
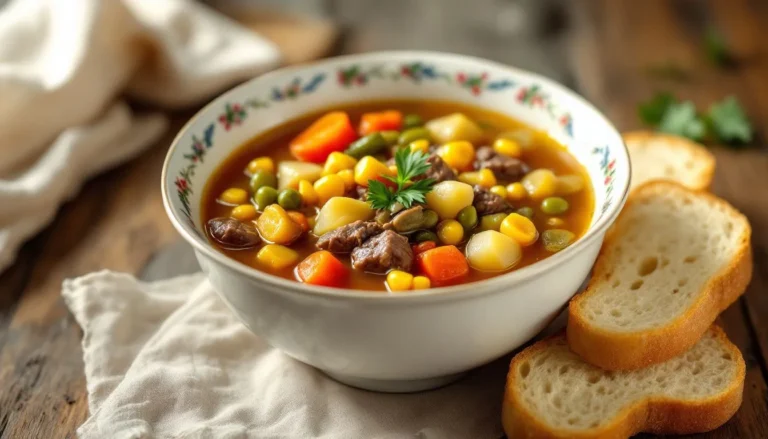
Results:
492 285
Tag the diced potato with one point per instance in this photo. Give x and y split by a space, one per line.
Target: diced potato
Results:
492 251
569 184
524 137
277 257
368 168
455 126
540 183
340 211
289 173
449 197
276 226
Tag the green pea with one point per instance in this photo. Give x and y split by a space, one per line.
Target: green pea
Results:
554 206
429 219
412 121
264 197
411 134
368 145
492 222
467 217
425 235
555 240
289 199
526 212
262 178
390 136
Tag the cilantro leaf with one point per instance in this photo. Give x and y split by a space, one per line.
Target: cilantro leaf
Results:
409 166
652 112
680 118
729 122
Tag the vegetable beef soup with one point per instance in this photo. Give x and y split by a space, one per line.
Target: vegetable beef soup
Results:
397 196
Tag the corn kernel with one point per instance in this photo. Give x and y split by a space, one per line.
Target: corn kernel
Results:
555 222
276 256
307 191
234 195
261 164
328 187
399 280
338 161
507 147
348 176
470 178
516 192
540 183
499 190
421 283
421 145
368 168
486 178
458 154
244 212
519 228
450 232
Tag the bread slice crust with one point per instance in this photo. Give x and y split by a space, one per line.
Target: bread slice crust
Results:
640 139
615 350
652 414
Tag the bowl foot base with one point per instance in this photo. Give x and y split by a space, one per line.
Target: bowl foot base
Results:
395 386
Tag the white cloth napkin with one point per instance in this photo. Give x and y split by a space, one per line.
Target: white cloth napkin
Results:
65 65
169 360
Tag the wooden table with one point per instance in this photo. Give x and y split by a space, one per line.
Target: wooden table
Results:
602 48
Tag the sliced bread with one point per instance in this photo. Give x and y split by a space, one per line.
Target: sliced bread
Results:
552 393
657 156
673 261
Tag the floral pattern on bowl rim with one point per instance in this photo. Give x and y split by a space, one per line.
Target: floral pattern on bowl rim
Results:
352 77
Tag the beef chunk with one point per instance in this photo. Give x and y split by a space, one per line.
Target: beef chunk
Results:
233 233
439 170
487 202
504 167
384 251
361 192
345 238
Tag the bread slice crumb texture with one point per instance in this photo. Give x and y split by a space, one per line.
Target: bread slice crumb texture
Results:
552 392
657 156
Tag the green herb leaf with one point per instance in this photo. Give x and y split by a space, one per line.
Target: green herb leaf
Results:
729 122
717 49
681 119
652 112
409 166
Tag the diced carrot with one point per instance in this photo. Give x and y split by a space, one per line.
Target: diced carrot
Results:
322 268
422 247
381 121
444 265
299 219
332 132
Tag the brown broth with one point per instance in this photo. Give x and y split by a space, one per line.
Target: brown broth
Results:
274 143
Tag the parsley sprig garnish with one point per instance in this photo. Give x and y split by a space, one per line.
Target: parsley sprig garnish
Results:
409 166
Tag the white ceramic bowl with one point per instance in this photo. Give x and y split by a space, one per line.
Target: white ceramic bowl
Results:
404 342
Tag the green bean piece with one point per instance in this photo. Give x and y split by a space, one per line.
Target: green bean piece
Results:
262 178
412 121
425 235
368 145
554 206
555 240
411 134
265 196
430 219
289 199
526 212
492 222
467 217
390 136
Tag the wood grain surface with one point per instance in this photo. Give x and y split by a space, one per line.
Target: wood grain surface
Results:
601 48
